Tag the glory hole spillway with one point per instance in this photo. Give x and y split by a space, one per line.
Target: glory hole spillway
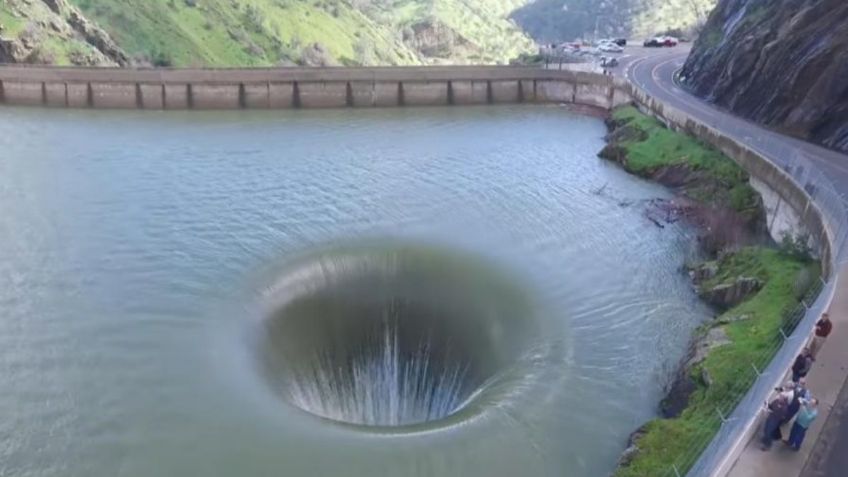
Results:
424 292
390 336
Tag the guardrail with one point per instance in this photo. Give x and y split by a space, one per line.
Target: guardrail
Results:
714 450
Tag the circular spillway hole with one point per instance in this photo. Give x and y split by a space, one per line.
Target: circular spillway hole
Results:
390 336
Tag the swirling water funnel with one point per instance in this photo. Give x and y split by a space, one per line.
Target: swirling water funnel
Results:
390 335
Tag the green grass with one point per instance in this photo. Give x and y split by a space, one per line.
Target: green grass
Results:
680 440
663 147
12 24
264 32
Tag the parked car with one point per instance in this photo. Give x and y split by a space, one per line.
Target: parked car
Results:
620 41
670 41
610 47
660 41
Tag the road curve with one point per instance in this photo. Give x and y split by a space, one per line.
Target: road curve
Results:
655 75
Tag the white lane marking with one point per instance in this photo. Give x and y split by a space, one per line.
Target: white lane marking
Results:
710 112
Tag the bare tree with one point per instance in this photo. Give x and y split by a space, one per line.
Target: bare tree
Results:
700 13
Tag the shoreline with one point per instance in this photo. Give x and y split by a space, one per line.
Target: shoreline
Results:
745 270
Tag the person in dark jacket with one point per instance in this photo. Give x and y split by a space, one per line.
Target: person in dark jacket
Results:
797 393
777 412
803 364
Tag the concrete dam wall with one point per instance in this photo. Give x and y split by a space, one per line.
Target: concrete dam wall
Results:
282 88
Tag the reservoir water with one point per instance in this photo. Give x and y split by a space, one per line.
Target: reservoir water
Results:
140 253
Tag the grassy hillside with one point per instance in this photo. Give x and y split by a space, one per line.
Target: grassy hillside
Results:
317 32
269 32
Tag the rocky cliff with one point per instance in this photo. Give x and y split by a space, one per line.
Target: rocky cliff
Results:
783 63
53 31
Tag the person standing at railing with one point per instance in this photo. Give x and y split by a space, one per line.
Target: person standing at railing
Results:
806 415
795 393
802 365
823 328
771 429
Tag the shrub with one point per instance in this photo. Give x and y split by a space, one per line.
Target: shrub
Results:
796 246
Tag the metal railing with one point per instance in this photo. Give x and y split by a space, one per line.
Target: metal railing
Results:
709 450
737 411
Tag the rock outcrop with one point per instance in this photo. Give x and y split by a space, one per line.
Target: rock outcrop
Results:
98 38
434 39
727 295
632 449
706 199
56 32
783 63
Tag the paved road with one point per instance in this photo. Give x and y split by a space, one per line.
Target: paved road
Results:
655 75
824 452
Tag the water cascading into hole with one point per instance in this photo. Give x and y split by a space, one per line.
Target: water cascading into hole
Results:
383 385
389 336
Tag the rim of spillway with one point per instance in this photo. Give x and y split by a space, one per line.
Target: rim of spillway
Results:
392 337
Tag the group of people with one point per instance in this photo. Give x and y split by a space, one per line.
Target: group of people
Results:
794 400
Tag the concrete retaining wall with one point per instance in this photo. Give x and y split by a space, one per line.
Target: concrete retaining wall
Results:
264 88
786 201
790 207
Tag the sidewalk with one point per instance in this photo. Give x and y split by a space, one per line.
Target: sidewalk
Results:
825 381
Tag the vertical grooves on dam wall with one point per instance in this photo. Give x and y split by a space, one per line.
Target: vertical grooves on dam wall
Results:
268 94
401 101
490 98
89 95
189 96
450 93
43 93
139 100
348 95
164 98
2 93
67 100
242 97
295 95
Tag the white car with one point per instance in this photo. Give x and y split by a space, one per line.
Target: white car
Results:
610 47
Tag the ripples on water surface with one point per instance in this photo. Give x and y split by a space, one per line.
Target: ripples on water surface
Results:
135 246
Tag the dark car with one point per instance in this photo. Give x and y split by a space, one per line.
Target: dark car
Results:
652 42
620 41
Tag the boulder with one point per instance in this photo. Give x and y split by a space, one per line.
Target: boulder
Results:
57 6
632 449
728 295
726 319
316 55
14 50
97 38
712 339
703 272
433 38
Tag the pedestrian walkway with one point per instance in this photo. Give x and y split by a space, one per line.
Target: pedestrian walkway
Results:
825 381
